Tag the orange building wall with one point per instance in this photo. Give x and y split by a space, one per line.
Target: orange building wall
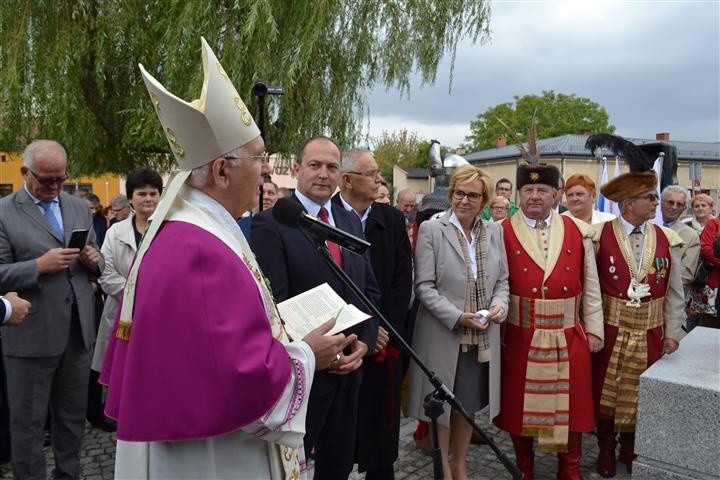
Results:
104 186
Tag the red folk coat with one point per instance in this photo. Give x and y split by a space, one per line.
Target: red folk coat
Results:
527 281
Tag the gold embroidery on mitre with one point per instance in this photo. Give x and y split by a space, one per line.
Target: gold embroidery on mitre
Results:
244 114
155 101
176 147
534 176
222 72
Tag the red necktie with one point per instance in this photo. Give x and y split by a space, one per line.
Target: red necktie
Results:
333 247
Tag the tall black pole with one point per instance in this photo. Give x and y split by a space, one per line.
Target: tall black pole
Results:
260 90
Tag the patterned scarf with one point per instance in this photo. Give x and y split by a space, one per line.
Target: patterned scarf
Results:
628 359
546 408
476 297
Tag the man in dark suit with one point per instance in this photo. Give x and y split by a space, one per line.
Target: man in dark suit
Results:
288 258
13 309
391 257
47 357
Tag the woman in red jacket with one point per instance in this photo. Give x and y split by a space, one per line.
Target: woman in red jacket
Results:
708 253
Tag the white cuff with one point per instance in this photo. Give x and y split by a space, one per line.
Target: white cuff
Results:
8 310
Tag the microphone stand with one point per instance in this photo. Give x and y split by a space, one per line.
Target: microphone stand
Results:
434 401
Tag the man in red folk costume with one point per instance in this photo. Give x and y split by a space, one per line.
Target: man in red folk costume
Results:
554 323
640 271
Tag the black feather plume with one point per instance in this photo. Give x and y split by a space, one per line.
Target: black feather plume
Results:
636 158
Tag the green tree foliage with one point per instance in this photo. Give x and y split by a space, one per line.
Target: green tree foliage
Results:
69 69
556 114
402 148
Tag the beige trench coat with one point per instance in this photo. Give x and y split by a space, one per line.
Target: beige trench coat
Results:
119 251
440 283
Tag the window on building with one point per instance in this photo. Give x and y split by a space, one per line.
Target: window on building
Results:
73 187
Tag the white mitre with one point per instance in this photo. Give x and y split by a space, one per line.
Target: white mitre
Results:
204 129
198 132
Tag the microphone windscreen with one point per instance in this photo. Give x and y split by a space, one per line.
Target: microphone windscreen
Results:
287 212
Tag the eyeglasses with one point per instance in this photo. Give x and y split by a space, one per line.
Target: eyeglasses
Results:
370 174
502 207
471 196
48 182
263 158
670 203
652 196
118 210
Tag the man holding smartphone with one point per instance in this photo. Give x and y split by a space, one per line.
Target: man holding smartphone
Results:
47 357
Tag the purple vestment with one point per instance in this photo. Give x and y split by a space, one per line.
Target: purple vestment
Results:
201 360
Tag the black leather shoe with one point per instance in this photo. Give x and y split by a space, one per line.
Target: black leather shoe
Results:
104 424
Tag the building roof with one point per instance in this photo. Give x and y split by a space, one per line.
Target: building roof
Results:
574 146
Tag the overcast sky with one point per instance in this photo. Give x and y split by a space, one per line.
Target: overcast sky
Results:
654 66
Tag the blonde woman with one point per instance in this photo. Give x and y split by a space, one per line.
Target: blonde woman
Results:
703 207
460 270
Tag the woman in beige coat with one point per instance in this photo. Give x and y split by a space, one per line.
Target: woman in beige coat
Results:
460 269
143 187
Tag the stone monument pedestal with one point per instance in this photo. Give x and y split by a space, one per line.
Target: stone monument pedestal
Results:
678 424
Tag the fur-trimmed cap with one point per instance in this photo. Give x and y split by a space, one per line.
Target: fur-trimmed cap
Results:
537 174
629 185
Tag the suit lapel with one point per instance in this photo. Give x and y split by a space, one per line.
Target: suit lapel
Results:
303 232
341 222
127 235
450 233
375 220
26 204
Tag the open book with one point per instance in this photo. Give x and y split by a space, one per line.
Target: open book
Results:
307 311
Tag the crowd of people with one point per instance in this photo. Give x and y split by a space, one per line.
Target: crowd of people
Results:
544 314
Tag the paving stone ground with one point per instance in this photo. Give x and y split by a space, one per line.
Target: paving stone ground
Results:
98 457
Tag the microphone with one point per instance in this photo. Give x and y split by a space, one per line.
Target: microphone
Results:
292 214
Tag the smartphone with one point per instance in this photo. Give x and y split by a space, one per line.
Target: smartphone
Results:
78 239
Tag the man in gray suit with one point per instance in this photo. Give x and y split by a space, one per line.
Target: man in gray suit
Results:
673 203
47 357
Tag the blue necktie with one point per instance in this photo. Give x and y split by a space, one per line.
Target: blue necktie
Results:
50 217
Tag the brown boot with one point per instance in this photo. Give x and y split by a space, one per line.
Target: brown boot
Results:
569 463
627 450
524 455
606 445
